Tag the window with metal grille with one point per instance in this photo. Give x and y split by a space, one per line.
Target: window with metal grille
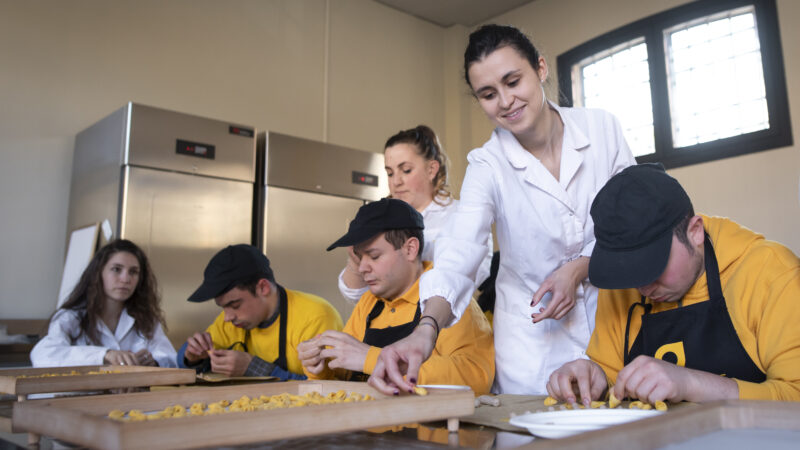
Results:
699 82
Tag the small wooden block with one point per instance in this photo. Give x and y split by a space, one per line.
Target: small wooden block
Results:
452 425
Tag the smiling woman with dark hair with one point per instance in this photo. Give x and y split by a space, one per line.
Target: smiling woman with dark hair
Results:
113 316
534 179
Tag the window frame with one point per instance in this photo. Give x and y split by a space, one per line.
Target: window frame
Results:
779 133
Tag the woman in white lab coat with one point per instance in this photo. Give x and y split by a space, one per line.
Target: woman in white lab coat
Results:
113 316
416 167
535 179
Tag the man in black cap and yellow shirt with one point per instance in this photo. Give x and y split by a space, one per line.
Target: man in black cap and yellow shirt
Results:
387 237
691 307
261 323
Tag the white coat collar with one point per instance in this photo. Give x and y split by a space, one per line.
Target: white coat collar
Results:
124 326
572 157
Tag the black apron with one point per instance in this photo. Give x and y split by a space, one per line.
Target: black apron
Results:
282 311
699 336
381 337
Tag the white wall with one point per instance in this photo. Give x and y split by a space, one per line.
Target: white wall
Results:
66 64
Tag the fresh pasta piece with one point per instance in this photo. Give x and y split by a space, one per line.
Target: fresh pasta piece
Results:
613 401
661 406
419 390
550 401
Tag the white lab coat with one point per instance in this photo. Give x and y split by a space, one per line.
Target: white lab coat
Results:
541 224
435 217
59 349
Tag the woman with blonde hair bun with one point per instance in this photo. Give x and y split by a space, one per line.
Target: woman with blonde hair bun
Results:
417 169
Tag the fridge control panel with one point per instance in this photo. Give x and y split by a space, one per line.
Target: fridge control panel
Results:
365 178
194 149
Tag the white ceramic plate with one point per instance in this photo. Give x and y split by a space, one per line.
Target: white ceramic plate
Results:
558 424
456 387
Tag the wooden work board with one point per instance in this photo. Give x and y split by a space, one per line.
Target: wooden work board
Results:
85 420
22 382
683 424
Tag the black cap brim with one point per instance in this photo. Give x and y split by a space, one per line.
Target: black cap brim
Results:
207 291
634 268
355 238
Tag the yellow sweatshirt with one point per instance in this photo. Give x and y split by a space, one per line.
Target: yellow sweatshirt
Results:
307 316
464 353
761 284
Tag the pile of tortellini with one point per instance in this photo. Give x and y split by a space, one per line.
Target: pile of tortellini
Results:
613 402
242 404
69 374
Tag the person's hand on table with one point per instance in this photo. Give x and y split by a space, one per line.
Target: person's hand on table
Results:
145 358
562 284
309 354
343 351
232 363
197 347
120 358
651 380
582 377
403 358
398 364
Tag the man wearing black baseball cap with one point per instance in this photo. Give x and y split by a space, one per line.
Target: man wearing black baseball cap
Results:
691 307
261 323
387 237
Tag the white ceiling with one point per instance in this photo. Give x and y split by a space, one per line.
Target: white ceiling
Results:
450 12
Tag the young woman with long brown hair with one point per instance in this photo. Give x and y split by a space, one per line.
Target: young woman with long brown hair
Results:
113 316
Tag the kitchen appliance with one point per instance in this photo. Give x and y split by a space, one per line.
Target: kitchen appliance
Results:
309 191
179 186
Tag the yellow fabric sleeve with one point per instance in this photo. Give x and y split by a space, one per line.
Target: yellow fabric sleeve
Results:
371 360
224 334
464 354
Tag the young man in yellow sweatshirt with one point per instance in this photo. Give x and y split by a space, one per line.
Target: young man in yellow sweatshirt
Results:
261 323
691 307
387 237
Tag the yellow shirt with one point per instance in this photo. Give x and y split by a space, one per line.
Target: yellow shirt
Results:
308 316
761 284
464 353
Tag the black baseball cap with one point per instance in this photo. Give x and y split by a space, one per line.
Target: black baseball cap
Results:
634 216
231 266
376 217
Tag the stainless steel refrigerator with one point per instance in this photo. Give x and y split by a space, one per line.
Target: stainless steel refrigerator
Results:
180 186
309 192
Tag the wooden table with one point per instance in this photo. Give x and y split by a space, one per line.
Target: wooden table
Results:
679 424
84 420
26 381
